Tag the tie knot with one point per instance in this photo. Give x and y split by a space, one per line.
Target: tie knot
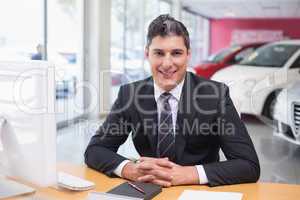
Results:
165 96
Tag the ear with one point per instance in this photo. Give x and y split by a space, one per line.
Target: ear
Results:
146 52
189 54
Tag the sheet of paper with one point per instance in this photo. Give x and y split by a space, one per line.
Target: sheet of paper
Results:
208 195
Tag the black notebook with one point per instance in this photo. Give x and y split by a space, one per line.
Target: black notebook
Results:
151 190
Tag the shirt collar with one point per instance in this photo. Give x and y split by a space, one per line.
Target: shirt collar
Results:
176 92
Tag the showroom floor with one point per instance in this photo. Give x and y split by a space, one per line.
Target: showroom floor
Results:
279 159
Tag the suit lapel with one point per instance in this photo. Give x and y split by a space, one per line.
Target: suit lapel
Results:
147 109
186 112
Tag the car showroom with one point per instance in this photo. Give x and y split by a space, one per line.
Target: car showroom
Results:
98 46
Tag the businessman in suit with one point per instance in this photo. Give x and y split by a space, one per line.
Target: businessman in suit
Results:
178 121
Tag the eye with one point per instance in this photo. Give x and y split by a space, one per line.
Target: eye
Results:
177 53
158 53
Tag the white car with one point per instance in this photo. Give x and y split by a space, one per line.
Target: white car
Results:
287 114
255 82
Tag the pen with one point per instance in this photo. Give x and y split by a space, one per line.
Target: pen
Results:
136 187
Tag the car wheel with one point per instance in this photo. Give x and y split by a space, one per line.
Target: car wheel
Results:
269 106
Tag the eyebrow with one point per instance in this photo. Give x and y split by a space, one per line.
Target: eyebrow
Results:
172 50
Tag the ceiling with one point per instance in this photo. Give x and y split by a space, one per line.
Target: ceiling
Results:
245 8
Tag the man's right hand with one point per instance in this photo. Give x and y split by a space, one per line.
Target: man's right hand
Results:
133 171
130 171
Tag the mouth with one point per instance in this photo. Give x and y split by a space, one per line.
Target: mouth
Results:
167 74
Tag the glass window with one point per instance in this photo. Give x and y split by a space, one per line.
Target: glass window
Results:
21 32
220 56
64 49
243 54
22 38
117 51
130 20
296 64
164 7
271 56
127 51
196 28
152 10
134 41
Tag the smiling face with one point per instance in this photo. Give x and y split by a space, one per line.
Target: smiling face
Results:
168 57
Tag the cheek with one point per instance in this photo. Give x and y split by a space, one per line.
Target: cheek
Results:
155 63
180 62
154 67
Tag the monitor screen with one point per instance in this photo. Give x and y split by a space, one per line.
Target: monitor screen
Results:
27 121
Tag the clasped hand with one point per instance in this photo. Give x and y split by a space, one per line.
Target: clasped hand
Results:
160 171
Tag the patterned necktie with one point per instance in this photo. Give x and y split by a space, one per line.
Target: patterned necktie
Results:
166 138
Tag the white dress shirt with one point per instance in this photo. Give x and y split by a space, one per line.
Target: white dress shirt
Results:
173 101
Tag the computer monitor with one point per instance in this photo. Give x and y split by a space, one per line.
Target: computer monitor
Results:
27 122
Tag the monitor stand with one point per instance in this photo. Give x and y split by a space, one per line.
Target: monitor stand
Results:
9 188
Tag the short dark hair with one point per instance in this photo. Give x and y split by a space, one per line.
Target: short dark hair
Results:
165 25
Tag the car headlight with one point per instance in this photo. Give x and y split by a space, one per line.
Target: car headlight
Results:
281 107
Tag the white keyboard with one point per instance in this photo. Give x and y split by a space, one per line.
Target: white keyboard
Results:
71 182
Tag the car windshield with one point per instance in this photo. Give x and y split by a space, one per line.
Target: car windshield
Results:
271 55
215 58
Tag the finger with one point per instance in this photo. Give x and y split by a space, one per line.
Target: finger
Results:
164 163
146 166
159 174
152 179
141 159
151 159
162 183
146 178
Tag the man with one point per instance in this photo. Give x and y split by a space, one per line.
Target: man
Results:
39 54
178 122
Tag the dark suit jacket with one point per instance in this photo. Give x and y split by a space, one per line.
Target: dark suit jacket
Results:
206 122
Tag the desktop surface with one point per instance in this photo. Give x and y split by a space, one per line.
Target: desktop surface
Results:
254 191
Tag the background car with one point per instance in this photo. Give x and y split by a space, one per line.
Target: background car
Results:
287 114
224 58
255 82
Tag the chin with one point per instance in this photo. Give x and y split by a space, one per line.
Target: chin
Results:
169 80
168 85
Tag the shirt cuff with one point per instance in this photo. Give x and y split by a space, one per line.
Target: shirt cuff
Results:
118 170
201 174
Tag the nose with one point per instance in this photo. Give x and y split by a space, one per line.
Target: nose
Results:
167 61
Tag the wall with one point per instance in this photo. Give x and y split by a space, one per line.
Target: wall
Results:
220 34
